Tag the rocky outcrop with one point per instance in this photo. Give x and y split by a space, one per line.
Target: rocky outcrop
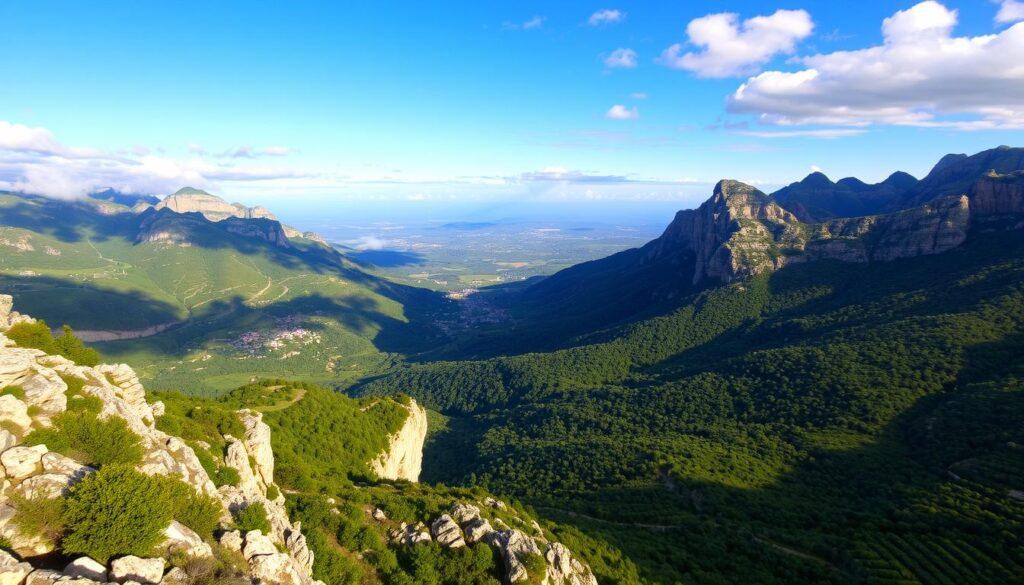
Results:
34 471
268 230
403 458
213 208
742 232
522 548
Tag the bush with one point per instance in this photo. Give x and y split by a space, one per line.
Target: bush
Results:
85 437
38 335
253 517
118 510
39 515
15 391
272 491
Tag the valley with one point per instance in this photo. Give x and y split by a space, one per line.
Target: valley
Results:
757 394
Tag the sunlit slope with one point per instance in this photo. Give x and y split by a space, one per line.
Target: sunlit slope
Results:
208 312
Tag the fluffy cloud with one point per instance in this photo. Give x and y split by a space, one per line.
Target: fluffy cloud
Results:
32 160
818 133
621 59
729 47
920 75
606 16
1010 11
621 112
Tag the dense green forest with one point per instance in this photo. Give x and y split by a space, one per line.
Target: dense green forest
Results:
849 423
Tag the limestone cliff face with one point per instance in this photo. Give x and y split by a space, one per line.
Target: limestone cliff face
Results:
214 208
404 457
742 232
268 230
279 558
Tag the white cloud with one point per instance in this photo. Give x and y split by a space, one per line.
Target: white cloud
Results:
621 59
606 16
196 149
621 112
638 95
250 152
32 160
920 76
1010 11
820 133
371 243
729 47
815 169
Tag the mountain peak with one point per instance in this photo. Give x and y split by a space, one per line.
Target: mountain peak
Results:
817 179
192 191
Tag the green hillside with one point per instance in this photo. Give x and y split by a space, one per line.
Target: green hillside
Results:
828 423
211 313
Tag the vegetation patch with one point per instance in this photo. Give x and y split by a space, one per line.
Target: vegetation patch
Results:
85 437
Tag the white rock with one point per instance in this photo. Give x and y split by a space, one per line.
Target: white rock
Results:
57 463
6 304
158 408
277 568
181 539
232 540
477 530
513 546
45 577
256 543
46 390
447 533
12 572
257 443
132 568
403 458
7 440
26 545
463 513
563 568
15 363
176 575
379 515
46 485
15 412
21 462
86 568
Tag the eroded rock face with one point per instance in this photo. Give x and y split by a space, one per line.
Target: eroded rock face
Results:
12 571
563 567
404 457
33 471
514 546
447 533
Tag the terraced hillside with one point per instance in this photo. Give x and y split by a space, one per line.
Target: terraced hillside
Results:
200 304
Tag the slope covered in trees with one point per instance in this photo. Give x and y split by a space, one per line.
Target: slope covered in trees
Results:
830 422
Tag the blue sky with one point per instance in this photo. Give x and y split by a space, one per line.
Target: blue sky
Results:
271 101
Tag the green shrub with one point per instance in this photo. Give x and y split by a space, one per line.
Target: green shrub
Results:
15 391
253 517
38 335
89 439
39 515
198 511
116 511
272 491
219 474
78 400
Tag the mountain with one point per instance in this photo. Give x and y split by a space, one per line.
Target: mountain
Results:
204 304
125 199
817 198
213 208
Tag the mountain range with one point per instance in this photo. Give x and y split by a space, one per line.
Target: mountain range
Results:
821 384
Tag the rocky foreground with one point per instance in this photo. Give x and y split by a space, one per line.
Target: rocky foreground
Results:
46 383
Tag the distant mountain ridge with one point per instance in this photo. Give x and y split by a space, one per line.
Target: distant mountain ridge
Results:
741 232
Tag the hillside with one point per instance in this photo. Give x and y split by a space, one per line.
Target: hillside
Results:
767 400
103 483
200 304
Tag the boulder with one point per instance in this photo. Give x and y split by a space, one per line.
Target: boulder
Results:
15 363
21 462
176 576
277 568
57 463
477 530
7 440
26 545
181 539
463 513
379 515
237 457
513 546
133 568
410 535
14 412
447 533
256 544
45 577
86 568
257 443
158 408
563 568
46 390
47 485
12 571
232 540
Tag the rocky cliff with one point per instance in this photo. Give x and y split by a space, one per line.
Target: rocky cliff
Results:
35 389
742 232
403 458
214 208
